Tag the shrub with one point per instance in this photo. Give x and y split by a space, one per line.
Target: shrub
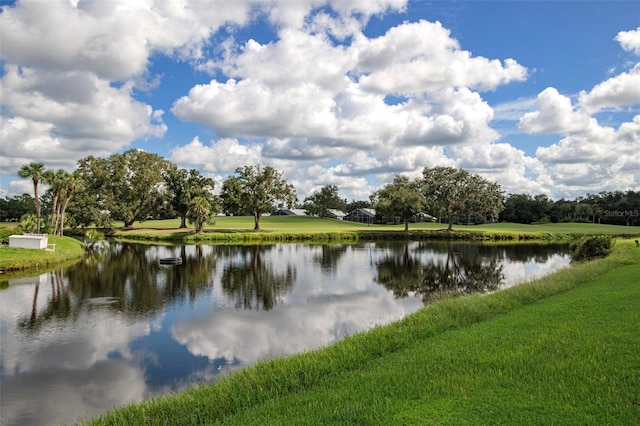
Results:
103 220
28 223
5 233
591 247
543 220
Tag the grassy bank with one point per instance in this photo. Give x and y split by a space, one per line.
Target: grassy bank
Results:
300 228
19 259
560 350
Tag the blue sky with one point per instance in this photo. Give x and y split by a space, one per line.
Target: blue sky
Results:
540 96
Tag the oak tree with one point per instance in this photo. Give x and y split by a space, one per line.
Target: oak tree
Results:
258 190
184 186
321 202
401 199
453 192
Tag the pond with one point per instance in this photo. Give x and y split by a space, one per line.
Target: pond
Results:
120 326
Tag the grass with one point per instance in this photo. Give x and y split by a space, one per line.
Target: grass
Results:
560 350
20 259
283 228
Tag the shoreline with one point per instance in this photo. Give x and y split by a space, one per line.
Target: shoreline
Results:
282 229
238 229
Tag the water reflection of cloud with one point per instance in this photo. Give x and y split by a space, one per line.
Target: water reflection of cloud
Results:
92 338
313 313
519 272
66 367
249 336
46 396
317 312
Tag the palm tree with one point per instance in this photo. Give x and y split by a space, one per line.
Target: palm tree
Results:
56 180
200 212
72 183
34 171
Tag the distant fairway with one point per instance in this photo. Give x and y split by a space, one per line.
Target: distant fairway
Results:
313 225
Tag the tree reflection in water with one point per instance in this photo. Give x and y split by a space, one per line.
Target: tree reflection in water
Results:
329 255
252 282
459 269
58 305
126 277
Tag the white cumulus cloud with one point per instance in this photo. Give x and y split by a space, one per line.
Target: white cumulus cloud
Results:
556 114
621 90
630 40
64 116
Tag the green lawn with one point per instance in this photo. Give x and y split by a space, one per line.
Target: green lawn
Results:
302 225
560 350
15 259
568 228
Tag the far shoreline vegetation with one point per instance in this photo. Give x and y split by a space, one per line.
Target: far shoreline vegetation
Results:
283 229
142 196
310 229
139 186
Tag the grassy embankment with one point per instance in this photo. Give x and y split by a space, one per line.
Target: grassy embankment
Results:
19 259
296 228
560 350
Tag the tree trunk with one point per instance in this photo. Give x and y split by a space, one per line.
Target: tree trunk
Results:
63 209
256 219
199 228
406 225
450 223
54 211
129 223
34 306
183 221
35 192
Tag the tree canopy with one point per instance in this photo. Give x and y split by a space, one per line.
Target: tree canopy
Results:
13 208
231 195
401 199
184 186
258 190
452 192
128 185
321 202
201 210
137 185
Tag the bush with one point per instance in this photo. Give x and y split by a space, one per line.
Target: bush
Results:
28 223
542 221
591 247
5 233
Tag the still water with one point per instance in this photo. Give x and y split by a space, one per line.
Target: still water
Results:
121 327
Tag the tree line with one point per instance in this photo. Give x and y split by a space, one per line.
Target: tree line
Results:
138 186
613 207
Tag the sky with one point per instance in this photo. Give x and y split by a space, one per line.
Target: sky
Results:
542 97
